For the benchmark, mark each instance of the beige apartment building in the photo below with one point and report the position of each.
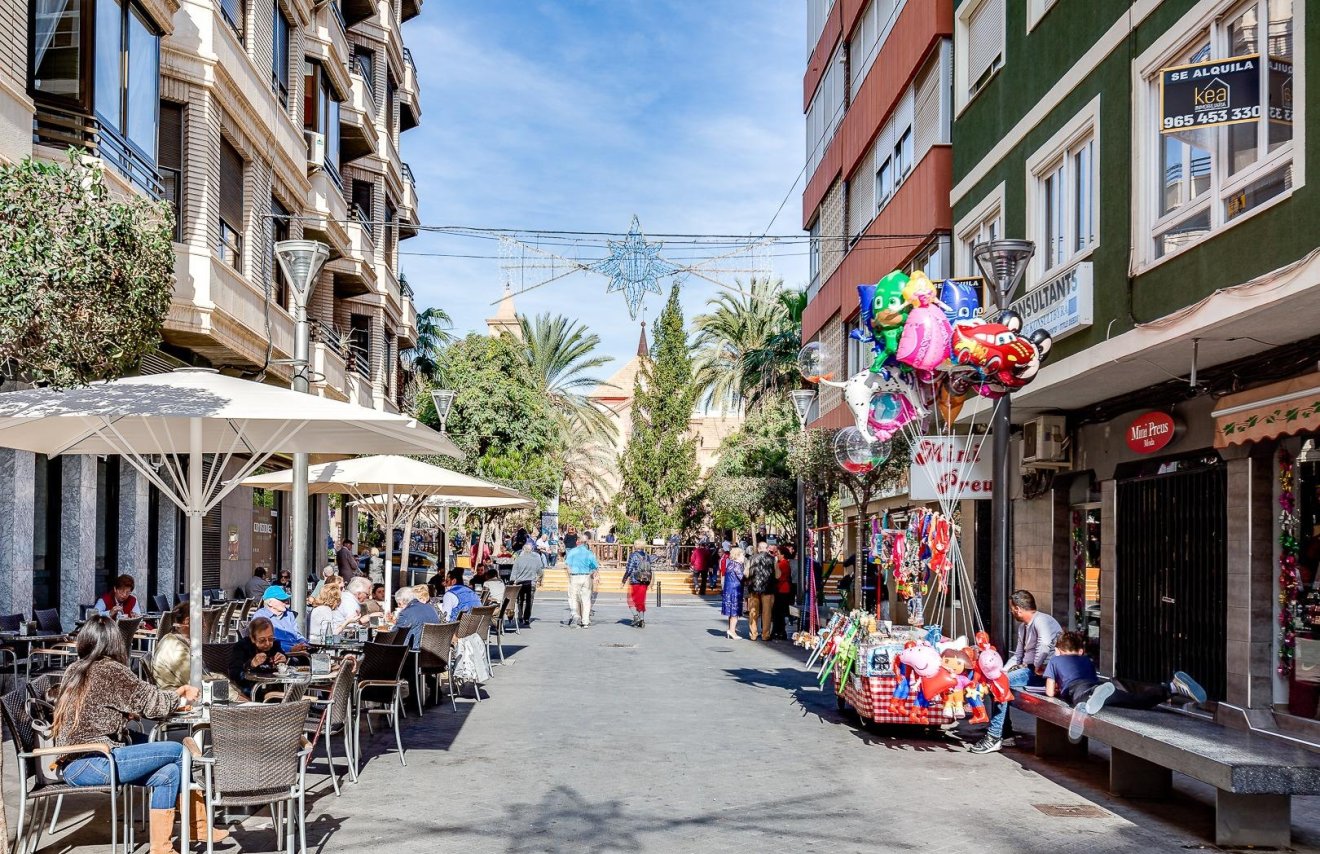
(258, 121)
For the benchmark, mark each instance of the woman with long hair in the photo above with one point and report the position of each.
(731, 603)
(326, 620)
(98, 697)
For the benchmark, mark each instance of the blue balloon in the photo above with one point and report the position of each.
(866, 296)
(963, 302)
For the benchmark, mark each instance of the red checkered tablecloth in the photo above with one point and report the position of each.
(870, 696)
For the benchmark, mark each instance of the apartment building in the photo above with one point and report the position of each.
(258, 121)
(1155, 155)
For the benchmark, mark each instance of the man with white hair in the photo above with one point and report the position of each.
(415, 611)
(350, 604)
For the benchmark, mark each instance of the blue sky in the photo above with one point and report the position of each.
(575, 115)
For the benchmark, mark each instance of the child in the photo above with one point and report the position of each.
(1071, 676)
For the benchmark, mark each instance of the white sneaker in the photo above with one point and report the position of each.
(1096, 701)
(1077, 725)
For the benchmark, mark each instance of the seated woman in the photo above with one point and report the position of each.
(119, 603)
(172, 657)
(326, 619)
(98, 697)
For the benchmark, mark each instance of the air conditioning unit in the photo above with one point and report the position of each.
(1045, 440)
(315, 148)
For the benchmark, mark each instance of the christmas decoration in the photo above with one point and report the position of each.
(1289, 613)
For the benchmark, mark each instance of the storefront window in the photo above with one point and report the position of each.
(1086, 576)
(46, 533)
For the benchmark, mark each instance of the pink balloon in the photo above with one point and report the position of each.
(926, 339)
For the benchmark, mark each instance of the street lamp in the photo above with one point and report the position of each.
(803, 400)
(1003, 263)
(301, 261)
(443, 398)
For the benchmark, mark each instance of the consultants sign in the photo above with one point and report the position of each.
(1210, 94)
(1061, 305)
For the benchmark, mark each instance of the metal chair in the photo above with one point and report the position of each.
(379, 683)
(258, 756)
(433, 652)
(222, 622)
(84, 610)
(39, 785)
(330, 718)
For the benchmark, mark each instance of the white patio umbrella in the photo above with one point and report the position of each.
(401, 484)
(156, 422)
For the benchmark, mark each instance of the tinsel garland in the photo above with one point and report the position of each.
(1289, 581)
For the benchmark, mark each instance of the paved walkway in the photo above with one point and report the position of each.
(673, 738)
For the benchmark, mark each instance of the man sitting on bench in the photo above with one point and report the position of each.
(1070, 675)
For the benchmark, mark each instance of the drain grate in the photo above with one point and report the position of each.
(619, 645)
(1071, 810)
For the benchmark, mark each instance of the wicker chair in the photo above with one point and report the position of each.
(508, 610)
(387, 637)
(35, 787)
(330, 718)
(475, 622)
(11, 622)
(379, 683)
(258, 756)
(433, 652)
(48, 620)
(216, 658)
(210, 621)
(162, 602)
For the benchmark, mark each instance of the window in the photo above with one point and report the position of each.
(390, 231)
(868, 36)
(362, 191)
(813, 258)
(884, 182)
(856, 357)
(1062, 201)
(933, 259)
(391, 98)
(127, 74)
(364, 63)
(170, 155)
(1036, 10)
(359, 342)
(826, 109)
(280, 56)
(230, 245)
(817, 14)
(321, 112)
(981, 224)
(279, 230)
(934, 108)
(56, 51)
(979, 33)
(234, 13)
(903, 154)
(1205, 178)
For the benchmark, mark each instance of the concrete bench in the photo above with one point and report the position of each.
(1254, 776)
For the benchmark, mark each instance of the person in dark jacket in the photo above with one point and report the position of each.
(760, 593)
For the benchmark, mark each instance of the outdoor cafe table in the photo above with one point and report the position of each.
(293, 675)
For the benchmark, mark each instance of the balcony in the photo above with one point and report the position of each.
(408, 219)
(409, 9)
(60, 129)
(410, 100)
(327, 211)
(327, 42)
(356, 11)
(357, 121)
(355, 273)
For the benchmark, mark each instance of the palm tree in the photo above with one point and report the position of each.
(561, 353)
(741, 340)
(433, 333)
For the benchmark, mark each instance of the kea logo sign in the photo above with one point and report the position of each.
(1151, 432)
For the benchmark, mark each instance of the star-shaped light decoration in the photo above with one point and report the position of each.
(634, 267)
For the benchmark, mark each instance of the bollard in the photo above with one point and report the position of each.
(657, 593)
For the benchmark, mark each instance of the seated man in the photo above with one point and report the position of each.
(257, 584)
(259, 651)
(459, 598)
(119, 602)
(414, 612)
(1070, 675)
(355, 596)
(281, 617)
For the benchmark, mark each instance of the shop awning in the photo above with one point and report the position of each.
(1279, 409)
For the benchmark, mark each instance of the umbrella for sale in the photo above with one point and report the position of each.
(401, 486)
(164, 425)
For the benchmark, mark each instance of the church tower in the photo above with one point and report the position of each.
(505, 318)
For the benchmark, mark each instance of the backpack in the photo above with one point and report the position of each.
(639, 568)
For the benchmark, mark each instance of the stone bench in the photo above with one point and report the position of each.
(1254, 776)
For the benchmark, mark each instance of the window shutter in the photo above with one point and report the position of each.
(861, 194)
(171, 135)
(985, 39)
(231, 186)
(927, 126)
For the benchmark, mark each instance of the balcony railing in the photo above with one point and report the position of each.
(332, 338)
(360, 362)
(60, 128)
(404, 287)
(408, 58)
(408, 175)
(363, 218)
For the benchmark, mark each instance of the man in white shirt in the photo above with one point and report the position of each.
(350, 604)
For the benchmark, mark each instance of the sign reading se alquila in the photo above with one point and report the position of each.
(1210, 94)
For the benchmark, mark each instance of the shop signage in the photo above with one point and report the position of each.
(1151, 432)
(1208, 94)
(950, 467)
(1060, 306)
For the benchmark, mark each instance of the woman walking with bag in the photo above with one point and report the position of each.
(98, 697)
(637, 575)
(731, 603)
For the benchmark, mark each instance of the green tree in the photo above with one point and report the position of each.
(748, 341)
(752, 479)
(85, 279)
(659, 465)
(561, 354)
(499, 418)
(433, 334)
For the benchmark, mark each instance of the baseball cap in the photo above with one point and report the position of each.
(275, 591)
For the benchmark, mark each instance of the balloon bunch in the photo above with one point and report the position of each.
(949, 676)
(917, 554)
(930, 347)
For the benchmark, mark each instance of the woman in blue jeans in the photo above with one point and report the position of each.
(98, 697)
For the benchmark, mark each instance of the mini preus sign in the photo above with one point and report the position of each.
(945, 467)
(1151, 432)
